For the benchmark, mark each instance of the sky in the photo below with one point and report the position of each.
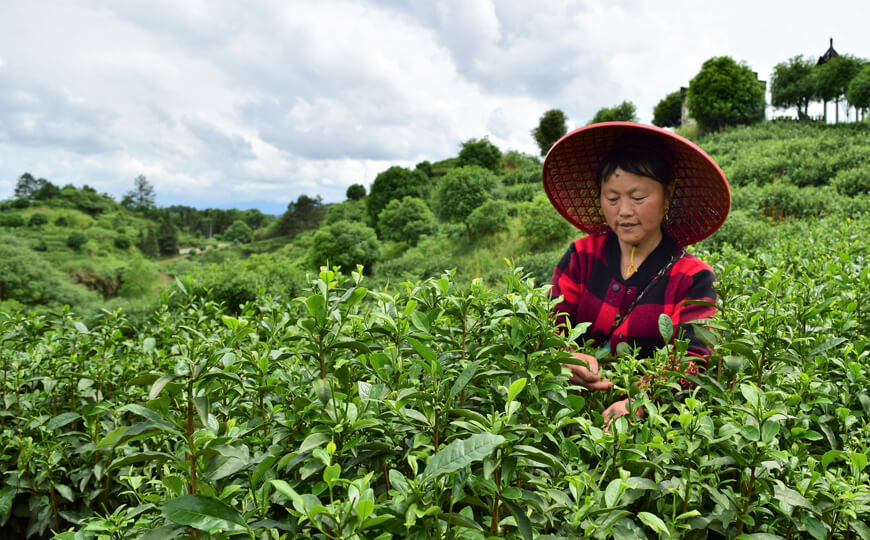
(228, 104)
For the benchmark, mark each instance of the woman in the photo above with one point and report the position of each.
(642, 194)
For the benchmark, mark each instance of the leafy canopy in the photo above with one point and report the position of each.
(345, 244)
(395, 183)
(624, 112)
(858, 92)
(725, 93)
(405, 220)
(552, 127)
(462, 190)
(480, 152)
(792, 85)
(669, 111)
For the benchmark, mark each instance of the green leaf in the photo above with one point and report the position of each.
(830, 456)
(515, 388)
(323, 390)
(160, 383)
(148, 345)
(65, 492)
(204, 513)
(313, 441)
(666, 327)
(62, 420)
(612, 493)
(750, 393)
(141, 457)
(331, 474)
(742, 349)
(790, 496)
(80, 327)
(463, 379)
(830, 344)
(461, 453)
(655, 523)
(523, 524)
(862, 530)
(424, 351)
(364, 508)
(769, 430)
(7, 495)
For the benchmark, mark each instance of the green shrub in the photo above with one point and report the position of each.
(37, 220)
(852, 182)
(239, 232)
(61, 221)
(76, 240)
(523, 192)
(541, 225)
(345, 244)
(21, 203)
(489, 218)
(12, 220)
(406, 220)
(122, 242)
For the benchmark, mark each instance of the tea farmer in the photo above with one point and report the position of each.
(642, 194)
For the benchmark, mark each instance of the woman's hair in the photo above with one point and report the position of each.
(643, 156)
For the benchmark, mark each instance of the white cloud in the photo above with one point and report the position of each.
(221, 103)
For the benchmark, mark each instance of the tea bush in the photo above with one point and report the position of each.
(439, 409)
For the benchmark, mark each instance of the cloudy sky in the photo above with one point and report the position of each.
(251, 104)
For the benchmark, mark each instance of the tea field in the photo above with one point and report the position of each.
(439, 409)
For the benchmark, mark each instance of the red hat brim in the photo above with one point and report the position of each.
(700, 200)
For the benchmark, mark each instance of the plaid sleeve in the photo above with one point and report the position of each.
(571, 275)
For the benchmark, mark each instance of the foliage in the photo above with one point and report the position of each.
(515, 162)
(624, 112)
(167, 236)
(76, 240)
(833, 77)
(37, 219)
(669, 111)
(426, 168)
(148, 242)
(405, 220)
(480, 153)
(355, 192)
(462, 190)
(792, 153)
(346, 211)
(395, 183)
(27, 278)
(137, 278)
(440, 409)
(489, 218)
(11, 220)
(122, 242)
(27, 186)
(21, 203)
(345, 244)
(141, 197)
(239, 232)
(304, 214)
(792, 85)
(858, 91)
(541, 225)
(725, 93)
(852, 182)
(552, 126)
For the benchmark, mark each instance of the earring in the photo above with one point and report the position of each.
(667, 217)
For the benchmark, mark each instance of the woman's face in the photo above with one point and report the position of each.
(634, 207)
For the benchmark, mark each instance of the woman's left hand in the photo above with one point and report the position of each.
(620, 408)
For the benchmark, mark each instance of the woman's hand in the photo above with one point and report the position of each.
(587, 377)
(617, 409)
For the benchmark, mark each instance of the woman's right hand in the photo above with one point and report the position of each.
(587, 375)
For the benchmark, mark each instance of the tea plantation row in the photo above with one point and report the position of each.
(440, 410)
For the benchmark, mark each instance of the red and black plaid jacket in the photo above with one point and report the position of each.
(589, 278)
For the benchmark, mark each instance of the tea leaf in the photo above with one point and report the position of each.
(461, 453)
(204, 513)
(666, 327)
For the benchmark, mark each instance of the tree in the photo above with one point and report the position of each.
(669, 111)
(480, 152)
(405, 220)
(355, 192)
(542, 226)
(141, 197)
(624, 112)
(304, 214)
(725, 93)
(239, 232)
(345, 244)
(552, 126)
(462, 190)
(395, 183)
(792, 85)
(27, 186)
(46, 191)
(858, 92)
(167, 236)
(148, 242)
(425, 167)
(833, 78)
